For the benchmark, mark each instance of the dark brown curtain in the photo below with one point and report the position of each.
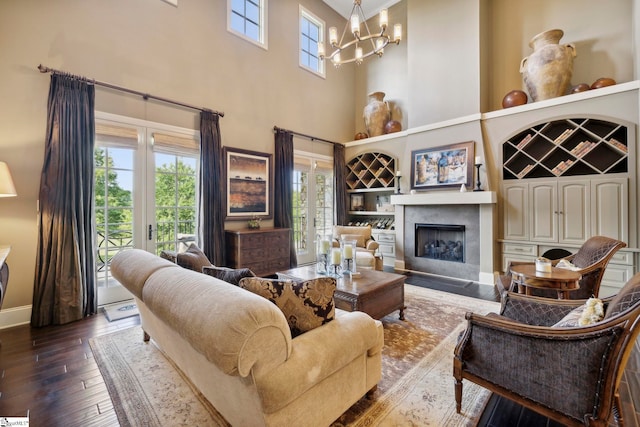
(212, 189)
(65, 281)
(339, 174)
(283, 187)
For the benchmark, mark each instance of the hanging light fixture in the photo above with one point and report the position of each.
(364, 44)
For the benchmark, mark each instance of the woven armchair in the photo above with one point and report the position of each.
(592, 258)
(569, 374)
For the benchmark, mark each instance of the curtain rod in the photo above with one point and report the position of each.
(144, 96)
(312, 138)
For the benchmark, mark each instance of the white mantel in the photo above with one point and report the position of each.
(486, 201)
(446, 198)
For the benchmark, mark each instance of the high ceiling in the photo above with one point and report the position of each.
(370, 7)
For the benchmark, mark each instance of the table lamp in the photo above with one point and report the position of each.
(7, 189)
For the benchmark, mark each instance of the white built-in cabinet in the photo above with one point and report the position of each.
(566, 212)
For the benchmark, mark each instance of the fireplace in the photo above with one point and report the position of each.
(443, 242)
(472, 215)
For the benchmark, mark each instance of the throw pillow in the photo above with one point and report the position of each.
(170, 255)
(587, 314)
(227, 274)
(306, 305)
(193, 258)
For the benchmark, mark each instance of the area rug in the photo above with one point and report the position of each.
(417, 386)
(120, 310)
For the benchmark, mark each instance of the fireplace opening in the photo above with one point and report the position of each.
(440, 241)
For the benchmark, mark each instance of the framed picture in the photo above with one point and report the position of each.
(445, 166)
(249, 181)
(357, 202)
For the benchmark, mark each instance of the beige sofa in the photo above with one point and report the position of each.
(236, 346)
(366, 247)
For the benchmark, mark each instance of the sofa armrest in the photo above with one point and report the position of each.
(371, 245)
(319, 353)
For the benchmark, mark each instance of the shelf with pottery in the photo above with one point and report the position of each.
(569, 147)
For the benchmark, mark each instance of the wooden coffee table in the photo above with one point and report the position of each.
(376, 293)
(562, 280)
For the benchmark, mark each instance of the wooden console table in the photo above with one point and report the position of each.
(562, 280)
(263, 251)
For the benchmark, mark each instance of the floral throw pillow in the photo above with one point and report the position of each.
(306, 305)
(587, 314)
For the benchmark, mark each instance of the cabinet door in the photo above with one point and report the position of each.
(574, 215)
(543, 199)
(515, 211)
(610, 211)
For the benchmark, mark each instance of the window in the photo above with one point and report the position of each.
(248, 19)
(145, 192)
(311, 32)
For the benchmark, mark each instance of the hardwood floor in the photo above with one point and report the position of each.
(50, 374)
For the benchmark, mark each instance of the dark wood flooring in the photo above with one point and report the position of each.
(50, 375)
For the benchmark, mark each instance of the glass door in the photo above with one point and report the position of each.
(312, 202)
(145, 192)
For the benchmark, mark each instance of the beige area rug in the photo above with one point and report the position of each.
(416, 387)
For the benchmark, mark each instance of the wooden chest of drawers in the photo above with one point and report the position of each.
(264, 251)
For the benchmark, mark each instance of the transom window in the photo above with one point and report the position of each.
(247, 19)
(311, 32)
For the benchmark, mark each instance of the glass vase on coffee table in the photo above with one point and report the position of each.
(323, 248)
(348, 248)
(336, 263)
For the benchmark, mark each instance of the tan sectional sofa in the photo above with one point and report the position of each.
(236, 346)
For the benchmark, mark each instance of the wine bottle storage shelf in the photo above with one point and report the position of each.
(570, 147)
(371, 171)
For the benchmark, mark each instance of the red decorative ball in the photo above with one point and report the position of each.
(514, 98)
(582, 87)
(392, 126)
(361, 135)
(603, 82)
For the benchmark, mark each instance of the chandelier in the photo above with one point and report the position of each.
(363, 44)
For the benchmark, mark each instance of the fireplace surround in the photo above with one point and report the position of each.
(475, 211)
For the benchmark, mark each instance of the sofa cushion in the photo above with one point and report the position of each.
(170, 256)
(229, 275)
(306, 304)
(193, 259)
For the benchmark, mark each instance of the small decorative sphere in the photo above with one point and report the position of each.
(603, 82)
(361, 135)
(582, 87)
(514, 98)
(392, 126)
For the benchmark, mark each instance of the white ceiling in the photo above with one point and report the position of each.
(369, 7)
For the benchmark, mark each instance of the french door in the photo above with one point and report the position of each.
(145, 192)
(312, 202)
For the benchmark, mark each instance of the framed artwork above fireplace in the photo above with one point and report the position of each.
(443, 166)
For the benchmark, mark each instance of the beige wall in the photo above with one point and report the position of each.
(183, 53)
(463, 56)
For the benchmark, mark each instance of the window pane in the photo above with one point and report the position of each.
(313, 32)
(237, 23)
(238, 6)
(314, 64)
(252, 31)
(253, 12)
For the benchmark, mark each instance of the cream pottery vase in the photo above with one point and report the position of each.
(547, 71)
(376, 114)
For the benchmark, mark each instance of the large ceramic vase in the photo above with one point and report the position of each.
(547, 71)
(376, 114)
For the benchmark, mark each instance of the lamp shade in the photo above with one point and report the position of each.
(7, 189)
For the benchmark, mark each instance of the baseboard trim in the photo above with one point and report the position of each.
(15, 316)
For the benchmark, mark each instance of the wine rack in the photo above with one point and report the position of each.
(568, 147)
(371, 171)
